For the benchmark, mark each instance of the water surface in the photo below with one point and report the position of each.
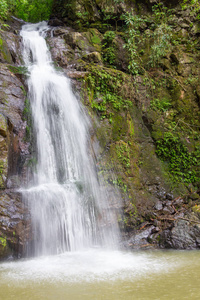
(102, 274)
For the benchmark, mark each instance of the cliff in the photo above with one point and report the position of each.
(14, 216)
(135, 66)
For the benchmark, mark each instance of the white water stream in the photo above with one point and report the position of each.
(69, 208)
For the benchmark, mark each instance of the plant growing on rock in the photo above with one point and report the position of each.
(194, 7)
(109, 47)
(183, 165)
(162, 34)
(133, 22)
(162, 44)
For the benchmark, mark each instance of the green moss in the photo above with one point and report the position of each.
(3, 171)
(5, 51)
(123, 153)
(3, 242)
(106, 94)
(22, 70)
(183, 165)
(119, 127)
(3, 125)
(27, 116)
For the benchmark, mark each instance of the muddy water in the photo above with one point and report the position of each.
(98, 274)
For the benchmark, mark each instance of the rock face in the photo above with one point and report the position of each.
(185, 234)
(14, 220)
(99, 14)
(14, 225)
(146, 120)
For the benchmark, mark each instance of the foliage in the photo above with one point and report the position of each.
(161, 13)
(28, 10)
(162, 34)
(162, 43)
(105, 91)
(28, 118)
(160, 37)
(109, 47)
(3, 242)
(118, 182)
(133, 22)
(123, 153)
(183, 165)
(4, 12)
(194, 7)
(33, 10)
(160, 104)
(3, 9)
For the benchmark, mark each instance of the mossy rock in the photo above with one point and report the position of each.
(94, 37)
(3, 161)
(4, 248)
(4, 51)
(3, 126)
(196, 210)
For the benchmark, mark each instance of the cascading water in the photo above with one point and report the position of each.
(68, 209)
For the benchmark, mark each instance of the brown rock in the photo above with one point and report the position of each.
(14, 225)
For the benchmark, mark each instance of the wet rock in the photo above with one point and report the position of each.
(93, 57)
(14, 225)
(178, 201)
(11, 97)
(76, 39)
(161, 193)
(3, 161)
(168, 210)
(59, 31)
(75, 74)
(159, 205)
(169, 196)
(196, 209)
(140, 239)
(3, 126)
(55, 22)
(184, 235)
(194, 196)
(61, 52)
(196, 29)
(10, 48)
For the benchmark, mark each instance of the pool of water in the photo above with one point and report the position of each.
(101, 274)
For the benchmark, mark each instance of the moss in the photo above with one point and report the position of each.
(196, 209)
(22, 70)
(3, 170)
(95, 37)
(3, 247)
(119, 127)
(3, 242)
(5, 51)
(3, 126)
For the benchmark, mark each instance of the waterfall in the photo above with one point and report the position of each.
(68, 205)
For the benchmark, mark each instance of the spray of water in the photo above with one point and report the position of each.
(68, 207)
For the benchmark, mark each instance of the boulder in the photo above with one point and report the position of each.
(185, 234)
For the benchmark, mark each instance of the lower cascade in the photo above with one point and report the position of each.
(68, 205)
